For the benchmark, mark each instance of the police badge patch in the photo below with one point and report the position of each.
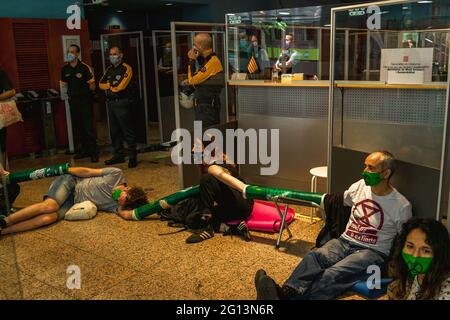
(118, 77)
(79, 75)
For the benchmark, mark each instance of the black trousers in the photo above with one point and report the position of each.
(207, 111)
(3, 136)
(121, 126)
(82, 117)
(13, 191)
(223, 202)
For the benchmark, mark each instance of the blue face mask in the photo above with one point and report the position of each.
(114, 59)
(70, 57)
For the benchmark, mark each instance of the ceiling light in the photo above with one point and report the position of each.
(169, 4)
(405, 8)
(327, 25)
(423, 2)
(283, 13)
(429, 40)
(119, 11)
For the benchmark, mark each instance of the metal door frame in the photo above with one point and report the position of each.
(141, 61)
(155, 61)
(173, 31)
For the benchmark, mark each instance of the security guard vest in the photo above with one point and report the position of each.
(208, 79)
(117, 82)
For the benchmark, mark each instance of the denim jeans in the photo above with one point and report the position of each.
(62, 191)
(329, 271)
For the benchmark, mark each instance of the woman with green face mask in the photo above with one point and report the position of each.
(420, 263)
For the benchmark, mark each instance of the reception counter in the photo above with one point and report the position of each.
(407, 119)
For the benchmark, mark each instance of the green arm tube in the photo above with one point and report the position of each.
(173, 199)
(267, 194)
(35, 174)
(251, 192)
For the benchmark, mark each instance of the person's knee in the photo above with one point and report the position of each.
(46, 219)
(49, 206)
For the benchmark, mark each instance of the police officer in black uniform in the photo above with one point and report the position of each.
(118, 84)
(79, 79)
(206, 76)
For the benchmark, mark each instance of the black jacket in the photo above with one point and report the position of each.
(337, 216)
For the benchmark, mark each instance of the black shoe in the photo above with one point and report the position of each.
(240, 230)
(94, 158)
(132, 163)
(206, 234)
(266, 288)
(115, 160)
(79, 156)
(2, 224)
(2, 221)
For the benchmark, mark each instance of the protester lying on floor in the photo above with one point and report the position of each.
(82, 184)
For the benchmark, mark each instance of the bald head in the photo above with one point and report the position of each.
(381, 161)
(203, 41)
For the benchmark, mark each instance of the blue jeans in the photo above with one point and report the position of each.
(62, 191)
(328, 272)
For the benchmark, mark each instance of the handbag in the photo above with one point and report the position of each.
(9, 114)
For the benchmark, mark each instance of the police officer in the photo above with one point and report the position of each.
(79, 79)
(205, 74)
(119, 88)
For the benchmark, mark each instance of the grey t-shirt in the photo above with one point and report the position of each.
(99, 189)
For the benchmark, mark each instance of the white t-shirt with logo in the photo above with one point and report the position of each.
(375, 220)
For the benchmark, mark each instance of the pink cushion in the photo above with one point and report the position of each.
(265, 217)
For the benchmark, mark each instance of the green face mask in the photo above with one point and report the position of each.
(416, 265)
(371, 178)
(116, 194)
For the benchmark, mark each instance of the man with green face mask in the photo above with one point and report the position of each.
(378, 212)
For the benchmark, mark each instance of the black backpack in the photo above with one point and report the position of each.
(187, 214)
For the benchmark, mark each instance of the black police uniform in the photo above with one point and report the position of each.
(206, 75)
(5, 85)
(119, 88)
(78, 79)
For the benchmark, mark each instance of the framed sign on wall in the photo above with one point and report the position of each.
(69, 40)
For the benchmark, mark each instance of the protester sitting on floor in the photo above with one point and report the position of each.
(377, 215)
(420, 262)
(82, 184)
(221, 197)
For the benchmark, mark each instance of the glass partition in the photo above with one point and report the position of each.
(182, 40)
(388, 91)
(263, 45)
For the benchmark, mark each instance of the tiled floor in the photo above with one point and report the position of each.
(130, 260)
